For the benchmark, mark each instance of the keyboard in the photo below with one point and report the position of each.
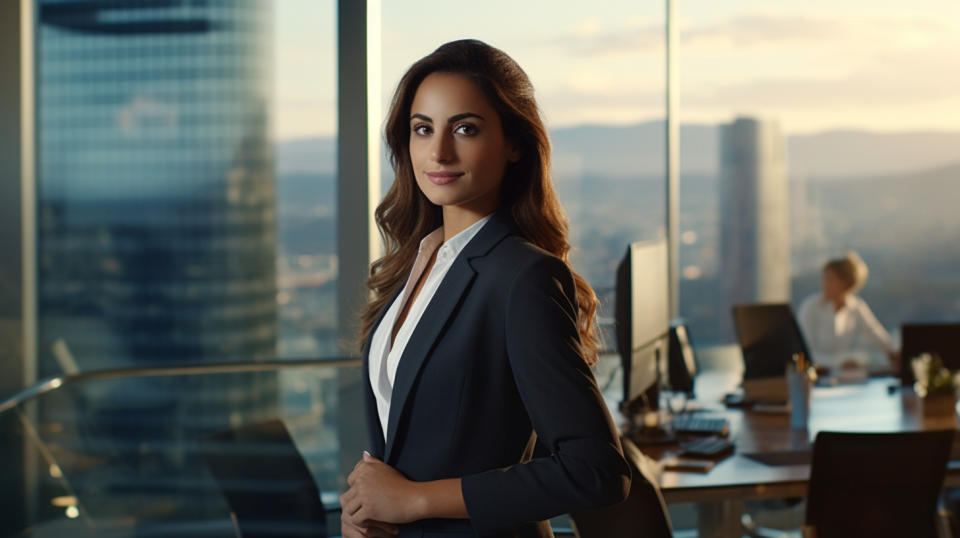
(701, 425)
(707, 447)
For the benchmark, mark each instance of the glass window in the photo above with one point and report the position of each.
(306, 134)
(186, 202)
(599, 76)
(810, 131)
(186, 213)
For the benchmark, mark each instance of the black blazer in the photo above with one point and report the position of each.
(493, 370)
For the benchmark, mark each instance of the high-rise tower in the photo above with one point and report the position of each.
(754, 213)
(156, 227)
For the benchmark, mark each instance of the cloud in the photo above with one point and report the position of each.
(761, 29)
(750, 30)
(891, 79)
(589, 39)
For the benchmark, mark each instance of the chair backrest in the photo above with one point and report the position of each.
(681, 362)
(642, 515)
(877, 484)
(265, 481)
(769, 336)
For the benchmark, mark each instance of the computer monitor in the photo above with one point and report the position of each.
(918, 338)
(769, 337)
(642, 316)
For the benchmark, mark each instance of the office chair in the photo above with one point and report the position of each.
(642, 514)
(877, 484)
(681, 362)
(265, 481)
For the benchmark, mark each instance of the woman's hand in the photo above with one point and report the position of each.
(379, 494)
(372, 529)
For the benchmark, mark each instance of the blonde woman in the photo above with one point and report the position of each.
(837, 323)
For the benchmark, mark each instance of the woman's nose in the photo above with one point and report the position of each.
(443, 150)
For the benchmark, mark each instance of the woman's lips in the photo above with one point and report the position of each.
(442, 178)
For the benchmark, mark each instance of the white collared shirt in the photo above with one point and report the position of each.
(384, 359)
(833, 335)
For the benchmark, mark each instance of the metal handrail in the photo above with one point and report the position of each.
(53, 383)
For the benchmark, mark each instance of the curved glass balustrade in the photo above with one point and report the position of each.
(119, 453)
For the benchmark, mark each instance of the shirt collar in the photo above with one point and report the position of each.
(850, 303)
(456, 243)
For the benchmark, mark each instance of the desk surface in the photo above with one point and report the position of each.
(865, 407)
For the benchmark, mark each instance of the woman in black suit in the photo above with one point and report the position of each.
(483, 413)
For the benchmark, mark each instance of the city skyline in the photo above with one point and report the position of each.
(863, 66)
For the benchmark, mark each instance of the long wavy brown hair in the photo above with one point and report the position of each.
(406, 215)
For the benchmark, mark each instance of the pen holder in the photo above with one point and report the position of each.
(798, 394)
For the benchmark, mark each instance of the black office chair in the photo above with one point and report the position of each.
(642, 514)
(265, 481)
(681, 361)
(877, 484)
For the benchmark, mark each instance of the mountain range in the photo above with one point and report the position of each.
(630, 151)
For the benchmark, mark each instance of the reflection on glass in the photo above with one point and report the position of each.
(156, 226)
(869, 127)
(128, 467)
(156, 239)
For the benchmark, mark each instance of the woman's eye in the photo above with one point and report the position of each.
(466, 129)
(421, 130)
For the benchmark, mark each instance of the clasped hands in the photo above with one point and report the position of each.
(379, 498)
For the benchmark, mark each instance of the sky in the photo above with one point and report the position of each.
(811, 65)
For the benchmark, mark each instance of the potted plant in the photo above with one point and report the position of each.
(935, 385)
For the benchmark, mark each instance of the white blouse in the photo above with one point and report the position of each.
(384, 359)
(833, 335)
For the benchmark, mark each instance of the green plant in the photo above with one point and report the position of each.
(933, 379)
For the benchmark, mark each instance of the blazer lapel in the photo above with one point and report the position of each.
(373, 416)
(434, 318)
(448, 295)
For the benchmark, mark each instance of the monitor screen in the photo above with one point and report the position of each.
(769, 336)
(642, 317)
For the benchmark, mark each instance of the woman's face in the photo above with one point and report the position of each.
(457, 147)
(834, 287)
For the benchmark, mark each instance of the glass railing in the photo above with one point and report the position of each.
(125, 452)
(122, 452)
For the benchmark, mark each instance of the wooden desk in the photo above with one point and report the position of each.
(866, 407)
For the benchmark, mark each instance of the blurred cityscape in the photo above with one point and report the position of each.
(173, 227)
(846, 191)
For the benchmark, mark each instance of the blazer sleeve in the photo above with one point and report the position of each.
(585, 468)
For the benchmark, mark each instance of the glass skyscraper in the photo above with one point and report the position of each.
(156, 233)
(156, 182)
(754, 214)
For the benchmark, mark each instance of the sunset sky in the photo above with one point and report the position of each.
(813, 65)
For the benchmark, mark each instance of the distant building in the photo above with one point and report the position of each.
(754, 213)
(156, 237)
(156, 205)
